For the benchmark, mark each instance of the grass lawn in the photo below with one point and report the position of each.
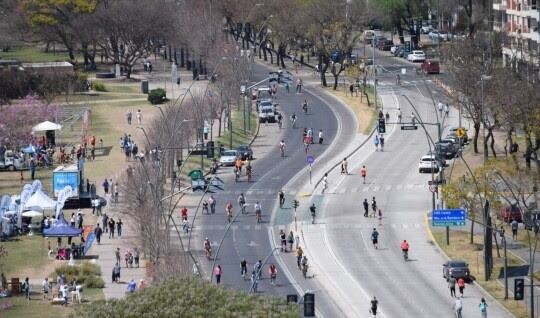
(365, 114)
(24, 253)
(33, 54)
(460, 248)
(37, 307)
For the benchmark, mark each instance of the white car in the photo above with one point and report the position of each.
(228, 158)
(428, 163)
(416, 56)
(394, 48)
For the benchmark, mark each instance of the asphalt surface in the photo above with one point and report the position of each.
(247, 239)
(346, 270)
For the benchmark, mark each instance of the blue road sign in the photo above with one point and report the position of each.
(310, 159)
(449, 217)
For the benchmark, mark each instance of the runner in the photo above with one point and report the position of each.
(363, 173)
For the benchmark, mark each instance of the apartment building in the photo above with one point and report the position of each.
(520, 19)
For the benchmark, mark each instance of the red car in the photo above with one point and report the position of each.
(430, 67)
(511, 212)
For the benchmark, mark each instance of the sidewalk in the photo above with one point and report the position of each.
(104, 253)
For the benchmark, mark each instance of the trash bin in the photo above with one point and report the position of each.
(144, 87)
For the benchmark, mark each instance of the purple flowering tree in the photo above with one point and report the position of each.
(17, 120)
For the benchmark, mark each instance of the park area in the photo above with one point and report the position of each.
(44, 236)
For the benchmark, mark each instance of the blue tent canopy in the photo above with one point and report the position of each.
(61, 229)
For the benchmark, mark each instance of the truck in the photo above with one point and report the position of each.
(11, 161)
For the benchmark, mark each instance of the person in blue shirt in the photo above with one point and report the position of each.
(132, 286)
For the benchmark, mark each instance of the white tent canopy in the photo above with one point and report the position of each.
(41, 201)
(46, 125)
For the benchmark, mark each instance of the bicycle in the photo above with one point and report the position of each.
(236, 175)
(249, 174)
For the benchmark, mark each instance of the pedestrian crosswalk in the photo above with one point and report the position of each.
(308, 227)
(339, 190)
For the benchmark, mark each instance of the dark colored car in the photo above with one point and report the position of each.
(385, 45)
(400, 52)
(245, 152)
(377, 39)
(511, 212)
(447, 149)
(456, 269)
(430, 67)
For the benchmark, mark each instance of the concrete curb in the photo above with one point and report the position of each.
(485, 292)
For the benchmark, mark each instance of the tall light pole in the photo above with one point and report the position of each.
(486, 218)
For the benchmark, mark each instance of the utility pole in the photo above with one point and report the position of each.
(374, 75)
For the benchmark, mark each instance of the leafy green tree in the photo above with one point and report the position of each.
(61, 18)
(189, 298)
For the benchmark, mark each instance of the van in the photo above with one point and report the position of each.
(368, 35)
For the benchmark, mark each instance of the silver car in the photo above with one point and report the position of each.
(228, 158)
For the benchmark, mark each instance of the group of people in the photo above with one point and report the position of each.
(129, 147)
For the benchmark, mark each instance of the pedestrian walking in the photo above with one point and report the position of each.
(375, 238)
(321, 138)
(272, 272)
(212, 202)
(344, 165)
(461, 285)
(440, 107)
(258, 269)
(366, 208)
(128, 117)
(374, 305)
(376, 142)
(373, 206)
(106, 186)
(458, 307)
(105, 222)
(290, 240)
(380, 217)
(254, 282)
(514, 225)
(452, 286)
(111, 228)
(26, 288)
(483, 308)
(119, 227)
(283, 240)
(97, 232)
(136, 256)
(117, 255)
(363, 173)
(446, 110)
(243, 268)
(184, 213)
(381, 142)
(299, 254)
(297, 240)
(217, 272)
(32, 168)
(139, 116)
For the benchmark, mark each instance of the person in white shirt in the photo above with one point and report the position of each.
(45, 288)
(458, 307)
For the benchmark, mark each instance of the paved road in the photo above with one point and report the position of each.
(346, 270)
(247, 239)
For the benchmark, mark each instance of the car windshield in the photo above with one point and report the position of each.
(458, 264)
(242, 148)
(229, 153)
(428, 159)
(267, 110)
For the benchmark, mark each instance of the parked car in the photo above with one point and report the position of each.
(426, 29)
(435, 34)
(416, 56)
(456, 269)
(369, 35)
(430, 67)
(428, 163)
(394, 48)
(511, 212)
(245, 152)
(400, 52)
(385, 45)
(11, 161)
(446, 149)
(441, 160)
(228, 157)
(377, 39)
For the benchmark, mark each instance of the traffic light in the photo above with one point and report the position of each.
(296, 204)
(382, 126)
(309, 305)
(519, 288)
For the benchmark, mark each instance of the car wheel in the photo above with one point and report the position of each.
(11, 168)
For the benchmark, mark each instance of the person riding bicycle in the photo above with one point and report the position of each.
(258, 210)
(325, 180)
(279, 118)
(305, 106)
(305, 266)
(249, 171)
(398, 79)
(293, 119)
(241, 201)
(228, 209)
(282, 146)
(313, 209)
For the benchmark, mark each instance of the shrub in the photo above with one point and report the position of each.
(98, 86)
(157, 96)
(86, 274)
